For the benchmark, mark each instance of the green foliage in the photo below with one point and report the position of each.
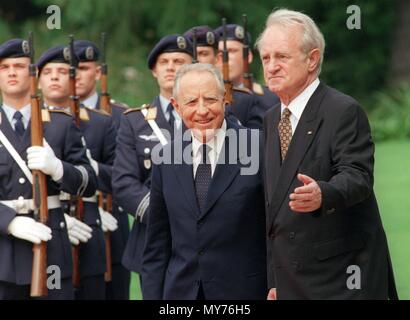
(356, 61)
(389, 113)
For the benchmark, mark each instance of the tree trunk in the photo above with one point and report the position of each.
(400, 58)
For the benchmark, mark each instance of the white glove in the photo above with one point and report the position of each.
(28, 229)
(77, 230)
(108, 222)
(94, 164)
(44, 159)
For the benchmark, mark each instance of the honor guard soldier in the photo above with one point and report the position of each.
(89, 72)
(64, 162)
(139, 133)
(235, 41)
(99, 133)
(243, 104)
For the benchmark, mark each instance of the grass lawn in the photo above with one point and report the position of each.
(392, 186)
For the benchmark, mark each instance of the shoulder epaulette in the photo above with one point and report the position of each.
(45, 115)
(120, 104)
(84, 114)
(103, 112)
(59, 111)
(150, 114)
(245, 90)
(131, 110)
(257, 88)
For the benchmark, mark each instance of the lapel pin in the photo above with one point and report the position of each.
(310, 132)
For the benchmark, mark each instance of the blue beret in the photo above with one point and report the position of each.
(14, 48)
(205, 36)
(171, 43)
(56, 54)
(233, 32)
(86, 50)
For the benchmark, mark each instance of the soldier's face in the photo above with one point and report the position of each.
(14, 76)
(206, 54)
(167, 66)
(286, 68)
(54, 82)
(235, 52)
(88, 74)
(200, 103)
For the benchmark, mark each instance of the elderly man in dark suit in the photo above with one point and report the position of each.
(205, 233)
(325, 236)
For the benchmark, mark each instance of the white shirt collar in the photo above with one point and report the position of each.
(297, 105)
(25, 111)
(91, 102)
(215, 144)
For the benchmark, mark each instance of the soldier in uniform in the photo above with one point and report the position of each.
(64, 162)
(88, 75)
(136, 138)
(99, 134)
(244, 104)
(235, 37)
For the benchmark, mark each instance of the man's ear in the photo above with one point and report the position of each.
(250, 56)
(175, 105)
(154, 73)
(314, 59)
(98, 73)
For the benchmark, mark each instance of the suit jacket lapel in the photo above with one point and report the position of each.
(305, 133)
(185, 175)
(224, 174)
(272, 153)
(19, 144)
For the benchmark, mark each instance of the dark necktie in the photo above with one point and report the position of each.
(18, 125)
(285, 132)
(203, 177)
(171, 120)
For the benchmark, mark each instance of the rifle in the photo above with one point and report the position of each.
(79, 205)
(105, 201)
(247, 76)
(194, 44)
(39, 269)
(225, 67)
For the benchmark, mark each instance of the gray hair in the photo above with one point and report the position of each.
(198, 67)
(312, 37)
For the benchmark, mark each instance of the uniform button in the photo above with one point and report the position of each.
(20, 198)
(267, 204)
(200, 222)
(201, 252)
(147, 150)
(295, 264)
(271, 235)
(120, 209)
(22, 180)
(62, 225)
(292, 235)
(98, 221)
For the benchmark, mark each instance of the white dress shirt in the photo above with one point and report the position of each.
(91, 101)
(10, 111)
(297, 105)
(215, 144)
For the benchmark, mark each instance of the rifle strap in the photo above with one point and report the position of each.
(14, 154)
